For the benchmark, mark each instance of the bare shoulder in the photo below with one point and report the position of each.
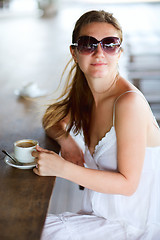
(132, 106)
(132, 99)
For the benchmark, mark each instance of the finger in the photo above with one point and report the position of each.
(83, 157)
(34, 153)
(40, 149)
(35, 170)
(81, 164)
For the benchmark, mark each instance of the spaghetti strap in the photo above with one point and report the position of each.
(133, 91)
(117, 100)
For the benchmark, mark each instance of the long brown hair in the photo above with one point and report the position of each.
(76, 99)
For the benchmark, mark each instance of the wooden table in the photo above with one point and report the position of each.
(24, 196)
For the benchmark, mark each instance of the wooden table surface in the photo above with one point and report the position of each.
(24, 196)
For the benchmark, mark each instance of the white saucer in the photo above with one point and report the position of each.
(9, 161)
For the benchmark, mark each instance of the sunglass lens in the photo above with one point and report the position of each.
(86, 44)
(109, 40)
(111, 45)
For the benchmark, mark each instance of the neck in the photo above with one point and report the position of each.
(107, 89)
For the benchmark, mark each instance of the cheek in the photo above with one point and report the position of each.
(83, 63)
(113, 60)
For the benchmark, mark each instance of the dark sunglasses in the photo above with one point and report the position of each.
(87, 45)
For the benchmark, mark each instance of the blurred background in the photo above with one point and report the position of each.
(34, 47)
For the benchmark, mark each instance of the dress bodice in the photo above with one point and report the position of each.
(105, 145)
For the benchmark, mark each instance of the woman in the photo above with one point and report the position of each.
(122, 139)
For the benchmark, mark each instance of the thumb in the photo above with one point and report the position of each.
(40, 149)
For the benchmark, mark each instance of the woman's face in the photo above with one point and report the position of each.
(98, 64)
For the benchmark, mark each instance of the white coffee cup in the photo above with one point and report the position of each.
(23, 150)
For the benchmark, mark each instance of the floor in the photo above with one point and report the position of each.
(34, 48)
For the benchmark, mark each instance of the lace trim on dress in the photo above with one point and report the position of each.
(107, 138)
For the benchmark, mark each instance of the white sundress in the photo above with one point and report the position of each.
(113, 216)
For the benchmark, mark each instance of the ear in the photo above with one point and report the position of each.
(73, 53)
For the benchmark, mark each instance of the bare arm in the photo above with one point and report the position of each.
(57, 130)
(131, 130)
(70, 150)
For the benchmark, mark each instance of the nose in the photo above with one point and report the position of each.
(99, 50)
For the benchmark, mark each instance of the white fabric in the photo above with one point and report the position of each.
(111, 216)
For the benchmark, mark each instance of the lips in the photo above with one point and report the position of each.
(99, 64)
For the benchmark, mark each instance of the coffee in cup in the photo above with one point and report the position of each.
(23, 150)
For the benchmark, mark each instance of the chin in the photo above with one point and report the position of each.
(99, 74)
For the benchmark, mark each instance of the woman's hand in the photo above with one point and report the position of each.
(71, 151)
(48, 163)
